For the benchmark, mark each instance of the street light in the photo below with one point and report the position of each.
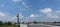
(18, 23)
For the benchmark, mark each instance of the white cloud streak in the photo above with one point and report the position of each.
(23, 3)
(16, 0)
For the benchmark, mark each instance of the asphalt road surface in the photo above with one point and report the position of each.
(37, 25)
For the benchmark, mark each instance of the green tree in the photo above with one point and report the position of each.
(35, 22)
(1, 23)
(8, 23)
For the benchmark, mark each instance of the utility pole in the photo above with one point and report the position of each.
(18, 23)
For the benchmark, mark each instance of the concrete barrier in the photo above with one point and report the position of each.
(23, 25)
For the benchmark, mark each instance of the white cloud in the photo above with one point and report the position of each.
(57, 11)
(50, 13)
(4, 16)
(33, 15)
(52, 16)
(24, 4)
(16, 0)
(46, 10)
(20, 15)
(1, 14)
(14, 18)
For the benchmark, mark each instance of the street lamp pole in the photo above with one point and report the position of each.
(18, 23)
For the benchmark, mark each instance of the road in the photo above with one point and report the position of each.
(37, 25)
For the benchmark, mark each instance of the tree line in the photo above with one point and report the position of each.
(10, 23)
(5, 23)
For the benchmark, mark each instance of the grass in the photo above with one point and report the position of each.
(8, 26)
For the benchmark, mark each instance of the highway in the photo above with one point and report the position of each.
(42, 25)
(37, 25)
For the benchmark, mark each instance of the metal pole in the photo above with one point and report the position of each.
(18, 23)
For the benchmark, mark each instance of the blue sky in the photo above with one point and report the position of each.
(30, 10)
